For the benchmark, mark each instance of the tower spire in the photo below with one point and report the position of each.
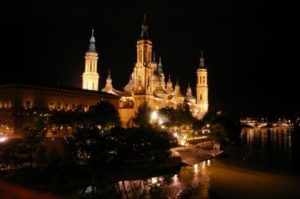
(90, 76)
(189, 91)
(159, 69)
(108, 75)
(92, 46)
(144, 32)
(202, 65)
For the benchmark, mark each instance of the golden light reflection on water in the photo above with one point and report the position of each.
(217, 179)
(234, 183)
(229, 178)
(190, 182)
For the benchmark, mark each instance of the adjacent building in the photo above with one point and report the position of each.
(20, 103)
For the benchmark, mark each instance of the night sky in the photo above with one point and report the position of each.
(251, 47)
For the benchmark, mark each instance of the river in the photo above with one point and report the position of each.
(264, 166)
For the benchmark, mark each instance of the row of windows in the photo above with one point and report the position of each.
(5, 104)
(66, 107)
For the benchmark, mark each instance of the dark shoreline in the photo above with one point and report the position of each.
(66, 180)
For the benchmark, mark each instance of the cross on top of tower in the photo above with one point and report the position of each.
(144, 32)
(202, 65)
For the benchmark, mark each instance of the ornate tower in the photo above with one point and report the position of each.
(177, 89)
(169, 85)
(161, 74)
(108, 86)
(90, 76)
(202, 88)
(143, 70)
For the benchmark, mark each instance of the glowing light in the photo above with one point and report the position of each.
(154, 115)
(3, 139)
(154, 180)
(196, 169)
(175, 134)
(160, 121)
(208, 162)
(182, 142)
(203, 165)
(175, 179)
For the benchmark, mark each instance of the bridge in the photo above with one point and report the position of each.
(259, 124)
(253, 123)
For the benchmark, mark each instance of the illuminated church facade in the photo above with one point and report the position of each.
(147, 83)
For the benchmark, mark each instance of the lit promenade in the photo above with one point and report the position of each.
(194, 154)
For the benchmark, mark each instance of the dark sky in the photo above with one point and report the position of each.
(251, 47)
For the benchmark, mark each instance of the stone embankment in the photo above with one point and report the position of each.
(195, 153)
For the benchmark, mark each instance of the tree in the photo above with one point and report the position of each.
(142, 118)
(180, 116)
(34, 135)
(103, 114)
(225, 129)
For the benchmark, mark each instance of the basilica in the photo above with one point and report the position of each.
(147, 83)
(21, 103)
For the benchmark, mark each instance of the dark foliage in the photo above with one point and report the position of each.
(142, 117)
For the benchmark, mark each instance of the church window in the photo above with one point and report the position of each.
(200, 79)
(203, 79)
(200, 96)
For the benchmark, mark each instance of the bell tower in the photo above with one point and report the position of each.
(90, 76)
(202, 88)
(143, 70)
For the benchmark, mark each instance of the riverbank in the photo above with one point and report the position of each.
(76, 177)
(195, 154)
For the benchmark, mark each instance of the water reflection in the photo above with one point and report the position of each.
(190, 182)
(222, 178)
(269, 148)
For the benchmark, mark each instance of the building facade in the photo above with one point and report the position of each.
(20, 103)
(147, 84)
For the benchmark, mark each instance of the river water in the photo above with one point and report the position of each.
(264, 166)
